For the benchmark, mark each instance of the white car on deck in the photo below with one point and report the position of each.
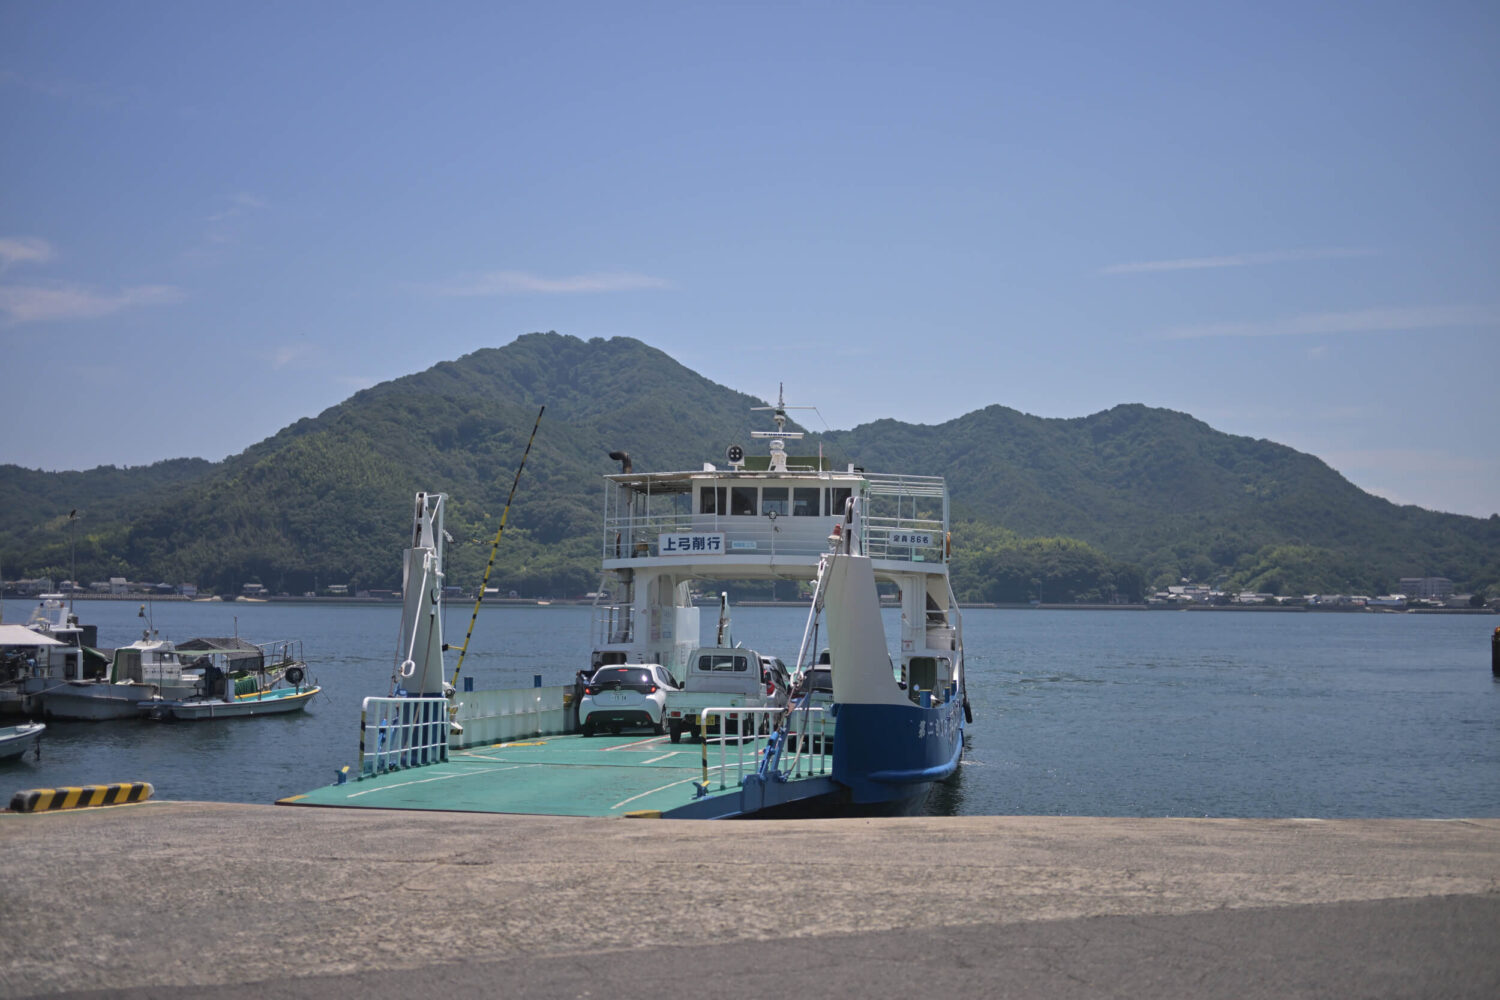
(625, 694)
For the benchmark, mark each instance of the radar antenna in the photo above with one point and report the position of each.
(780, 435)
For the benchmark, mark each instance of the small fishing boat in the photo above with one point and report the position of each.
(273, 701)
(16, 740)
(148, 668)
(237, 679)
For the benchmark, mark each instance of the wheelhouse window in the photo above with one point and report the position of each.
(837, 497)
(742, 500)
(711, 500)
(805, 501)
(773, 500)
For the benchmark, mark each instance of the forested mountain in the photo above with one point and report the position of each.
(1062, 509)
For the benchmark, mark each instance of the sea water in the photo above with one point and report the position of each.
(1099, 713)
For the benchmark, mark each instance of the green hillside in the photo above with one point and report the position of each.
(1165, 492)
(1091, 508)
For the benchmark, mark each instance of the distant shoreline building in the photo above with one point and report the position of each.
(1431, 588)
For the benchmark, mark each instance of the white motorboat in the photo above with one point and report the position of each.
(50, 650)
(16, 740)
(148, 668)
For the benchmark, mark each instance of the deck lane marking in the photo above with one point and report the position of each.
(664, 756)
(663, 788)
(441, 777)
(632, 746)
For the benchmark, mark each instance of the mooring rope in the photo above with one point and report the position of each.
(479, 598)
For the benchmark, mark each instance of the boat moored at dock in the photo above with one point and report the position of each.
(16, 740)
(148, 668)
(845, 533)
(893, 726)
(50, 650)
(238, 679)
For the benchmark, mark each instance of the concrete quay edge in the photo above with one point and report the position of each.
(228, 900)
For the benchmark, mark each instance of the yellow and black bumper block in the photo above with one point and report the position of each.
(80, 797)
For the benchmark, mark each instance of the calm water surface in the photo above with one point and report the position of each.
(1075, 713)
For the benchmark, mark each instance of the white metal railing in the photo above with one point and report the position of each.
(910, 539)
(402, 732)
(885, 484)
(282, 652)
(809, 741)
(895, 507)
(805, 754)
(613, 624)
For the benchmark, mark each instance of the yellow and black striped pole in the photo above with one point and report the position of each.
(479, 598)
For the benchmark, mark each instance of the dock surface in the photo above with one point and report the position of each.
(182, 899)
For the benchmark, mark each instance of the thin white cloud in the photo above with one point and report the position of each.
(524, 283)
(49, 303)
(23, 250)
(1238, 260)
(288, 355)
(239, 204)
(1358, 321)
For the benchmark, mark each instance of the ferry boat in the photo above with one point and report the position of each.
(895, 722)
(848, 532)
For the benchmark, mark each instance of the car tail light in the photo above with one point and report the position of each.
(651, 689)
(770, 687)
(591, 689)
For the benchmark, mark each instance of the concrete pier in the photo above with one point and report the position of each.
(180, 899)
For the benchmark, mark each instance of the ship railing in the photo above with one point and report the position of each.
(713, 535)
(899, 538)
(885, 484)
(396, 733)
(806, 742)
(281, 652)
(613, 624)
(906, 539)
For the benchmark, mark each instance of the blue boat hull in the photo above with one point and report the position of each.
(886, 753)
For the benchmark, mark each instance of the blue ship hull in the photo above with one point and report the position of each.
(885, 753)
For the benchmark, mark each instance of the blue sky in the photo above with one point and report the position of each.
(1282, 218)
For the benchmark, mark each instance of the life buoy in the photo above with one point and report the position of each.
(948, 546)
(294, 675)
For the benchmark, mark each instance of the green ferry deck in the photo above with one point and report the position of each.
(575, 775)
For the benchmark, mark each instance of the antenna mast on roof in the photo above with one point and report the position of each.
(779, 436)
